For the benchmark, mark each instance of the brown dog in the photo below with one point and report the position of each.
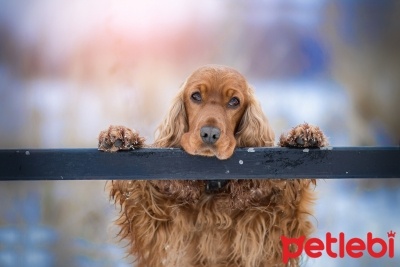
(235, 223)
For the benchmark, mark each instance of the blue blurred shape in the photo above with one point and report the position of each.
(27, 246)
(87, 261)
(9, 236)
(40, 236)
(31, 257)
(31, 207)
(9, 258)
(37, 258)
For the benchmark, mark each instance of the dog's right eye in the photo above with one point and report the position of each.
(196, 97)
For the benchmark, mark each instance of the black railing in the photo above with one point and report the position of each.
(246, 163)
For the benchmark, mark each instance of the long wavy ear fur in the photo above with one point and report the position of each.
(254, 129)
(175, 124)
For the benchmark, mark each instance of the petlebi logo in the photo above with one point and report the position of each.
(355, 247)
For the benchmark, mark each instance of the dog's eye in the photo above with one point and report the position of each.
(196, 97)
(234, 102)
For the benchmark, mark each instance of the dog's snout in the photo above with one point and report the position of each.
(210, 134)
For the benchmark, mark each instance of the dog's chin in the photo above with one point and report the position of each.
(196, 147)
(208, 151)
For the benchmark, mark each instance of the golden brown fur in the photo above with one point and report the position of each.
(179, 223)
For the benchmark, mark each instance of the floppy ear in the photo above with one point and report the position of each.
(174, 125)
(254, 129)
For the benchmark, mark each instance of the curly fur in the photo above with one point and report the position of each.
(170, 226)
(176, 223)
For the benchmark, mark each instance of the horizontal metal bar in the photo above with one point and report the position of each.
(246, 163)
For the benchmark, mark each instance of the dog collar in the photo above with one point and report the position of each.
(215, 186)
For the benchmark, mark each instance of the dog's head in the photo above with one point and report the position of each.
(214, 112)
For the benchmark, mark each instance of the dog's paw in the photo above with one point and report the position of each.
(304, 135)
(119, 138)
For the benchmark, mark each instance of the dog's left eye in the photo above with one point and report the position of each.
(234, 102)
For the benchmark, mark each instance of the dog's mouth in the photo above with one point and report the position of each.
(223, 148)
(215, 186)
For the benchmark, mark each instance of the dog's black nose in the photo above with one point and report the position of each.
(215, 186)
(210, 134)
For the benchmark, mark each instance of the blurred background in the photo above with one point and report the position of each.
(68, 69)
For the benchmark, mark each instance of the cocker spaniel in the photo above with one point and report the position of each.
(191, 223)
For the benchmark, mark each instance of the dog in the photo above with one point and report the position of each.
(193, 223)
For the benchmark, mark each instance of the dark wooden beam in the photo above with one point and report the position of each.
(246, 163)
